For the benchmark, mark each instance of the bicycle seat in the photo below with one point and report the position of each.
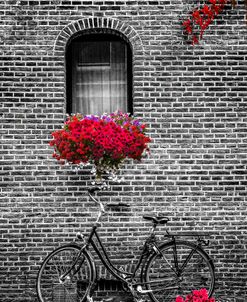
(157, 220)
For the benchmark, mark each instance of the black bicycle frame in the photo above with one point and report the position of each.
(127, 277)
(119, 274)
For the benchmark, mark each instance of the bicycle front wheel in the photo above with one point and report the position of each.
(79, 276)
(179, 269)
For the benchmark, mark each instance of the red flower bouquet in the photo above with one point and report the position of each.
(196, 296)
(104, 141)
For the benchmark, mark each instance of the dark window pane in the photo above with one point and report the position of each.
(99, 79)
(93, 53)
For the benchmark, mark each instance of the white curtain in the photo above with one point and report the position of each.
(99, 77)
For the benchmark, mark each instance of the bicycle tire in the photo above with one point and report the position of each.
(162, 281)
(77, 284)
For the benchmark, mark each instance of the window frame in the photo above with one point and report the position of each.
(98, 36)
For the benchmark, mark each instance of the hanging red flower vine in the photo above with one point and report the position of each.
(200, 19)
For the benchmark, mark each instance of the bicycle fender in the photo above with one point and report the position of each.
(94, 270)
(196, 247)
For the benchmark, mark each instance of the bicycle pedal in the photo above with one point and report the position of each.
(143, 291)
(89, 299)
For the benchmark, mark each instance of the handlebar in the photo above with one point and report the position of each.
(94, 189)
(102, 187)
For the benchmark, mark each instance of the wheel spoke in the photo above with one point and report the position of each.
(74, 287)
(173, 274)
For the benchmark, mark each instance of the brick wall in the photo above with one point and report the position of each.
(193, 100)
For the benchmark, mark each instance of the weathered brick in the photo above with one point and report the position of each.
(193, 100)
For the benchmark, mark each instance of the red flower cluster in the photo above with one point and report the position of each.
(103, 141)
(196, 296)
(200, 19)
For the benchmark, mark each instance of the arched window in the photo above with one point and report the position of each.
(99, 74)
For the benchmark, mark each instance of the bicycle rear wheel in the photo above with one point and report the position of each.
(78, 282)
(179, 269)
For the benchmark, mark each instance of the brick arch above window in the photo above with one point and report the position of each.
(99, 25)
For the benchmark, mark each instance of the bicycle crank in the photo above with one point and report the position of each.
(140, 290)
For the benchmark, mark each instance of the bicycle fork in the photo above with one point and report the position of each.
(79, 261)
(65, 275)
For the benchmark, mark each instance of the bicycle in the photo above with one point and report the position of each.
(172, 268)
